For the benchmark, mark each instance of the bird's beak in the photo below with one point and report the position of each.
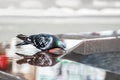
(64, 49)
(63, 46)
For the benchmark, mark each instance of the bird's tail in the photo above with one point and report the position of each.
(22, 37)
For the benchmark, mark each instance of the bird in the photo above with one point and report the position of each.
(42, 41)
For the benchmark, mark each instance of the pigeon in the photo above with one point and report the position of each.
(38, 59)
(41, 41)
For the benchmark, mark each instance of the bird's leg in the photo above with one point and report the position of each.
(56, 51)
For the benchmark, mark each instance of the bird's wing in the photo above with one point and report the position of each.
(43, 42)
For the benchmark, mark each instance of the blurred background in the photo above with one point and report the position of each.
(55, 17)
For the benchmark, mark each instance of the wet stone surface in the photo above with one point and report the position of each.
(109, 61)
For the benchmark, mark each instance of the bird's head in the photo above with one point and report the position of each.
(24, 38)
(61, 44)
